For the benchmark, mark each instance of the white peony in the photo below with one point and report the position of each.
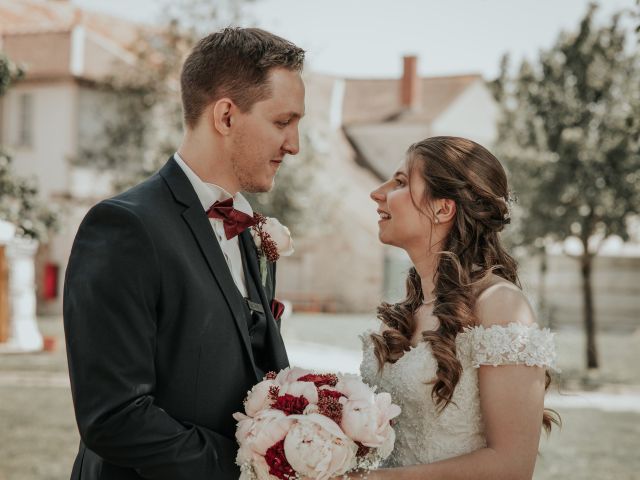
(367, 419)
(256, 435)
(258, 398)
(315, 447)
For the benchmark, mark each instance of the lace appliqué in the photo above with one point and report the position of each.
(512, 344)
(423, 433)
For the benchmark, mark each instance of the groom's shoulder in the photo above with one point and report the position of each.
(150, 195)
(146, 201)
(144, 195)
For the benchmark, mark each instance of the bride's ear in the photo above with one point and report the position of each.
(445, 210)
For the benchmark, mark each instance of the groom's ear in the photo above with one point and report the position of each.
(221, 115)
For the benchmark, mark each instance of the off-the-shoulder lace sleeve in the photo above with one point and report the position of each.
(365, 337)
(512, 344)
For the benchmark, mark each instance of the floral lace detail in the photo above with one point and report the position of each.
(512, 344)
(424, 435)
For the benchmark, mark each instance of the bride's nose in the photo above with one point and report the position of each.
(378, 194)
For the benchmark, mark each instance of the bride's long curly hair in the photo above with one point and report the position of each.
(467, 173)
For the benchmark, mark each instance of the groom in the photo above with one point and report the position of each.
(167, 322)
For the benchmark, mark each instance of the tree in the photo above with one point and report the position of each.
(19, 202)
(142, 125)
(146, 126)
(9, 73)
(570, 136)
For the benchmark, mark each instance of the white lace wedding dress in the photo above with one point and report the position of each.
(422, 434)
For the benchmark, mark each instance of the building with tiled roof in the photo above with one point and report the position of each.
(367, 125)
(54, 39)
(373, 123)
(57, 108)
(381, 118)
(360, 127)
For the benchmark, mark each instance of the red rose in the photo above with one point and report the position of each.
(321, 379)
(277, 461)
(362, 450)
(291, 405)
(329, 393)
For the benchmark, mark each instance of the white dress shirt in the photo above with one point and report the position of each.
(208, 194)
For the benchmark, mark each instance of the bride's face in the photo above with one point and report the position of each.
(404, 221)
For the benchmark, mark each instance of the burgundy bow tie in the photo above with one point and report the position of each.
(235, 221)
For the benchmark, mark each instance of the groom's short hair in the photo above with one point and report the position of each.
(234, 63)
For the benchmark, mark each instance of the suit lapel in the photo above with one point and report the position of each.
(199, 224)
(273, 334)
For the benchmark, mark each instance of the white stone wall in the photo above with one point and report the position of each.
(54, 130)
(615, 283)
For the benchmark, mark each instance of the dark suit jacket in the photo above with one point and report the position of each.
(157, 343)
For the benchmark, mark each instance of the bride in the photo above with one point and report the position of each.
(461, 354)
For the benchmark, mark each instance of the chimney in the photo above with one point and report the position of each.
(410, 84)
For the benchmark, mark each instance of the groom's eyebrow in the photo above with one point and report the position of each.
(291, 115)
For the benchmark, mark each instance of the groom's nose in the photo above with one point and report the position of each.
(291, 144)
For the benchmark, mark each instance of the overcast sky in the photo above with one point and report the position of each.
(367, 38)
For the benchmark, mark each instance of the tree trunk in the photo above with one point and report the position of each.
(545, 311)
(586, 263)
(4, 296)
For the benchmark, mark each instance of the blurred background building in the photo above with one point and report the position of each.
(360, 128)
(364, 126)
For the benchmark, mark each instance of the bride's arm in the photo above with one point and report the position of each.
(511, 401)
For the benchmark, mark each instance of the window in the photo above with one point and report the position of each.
(25, 120)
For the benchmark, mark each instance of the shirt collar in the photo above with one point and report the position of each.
(209, 193)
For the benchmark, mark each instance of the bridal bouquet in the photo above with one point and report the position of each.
(298, 423)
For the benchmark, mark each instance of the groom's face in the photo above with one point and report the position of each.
(263, 136)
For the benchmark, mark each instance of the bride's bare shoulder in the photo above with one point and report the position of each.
(500, 302)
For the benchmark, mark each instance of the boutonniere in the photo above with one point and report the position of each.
(272, 240)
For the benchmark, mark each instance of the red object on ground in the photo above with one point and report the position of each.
(50, 287)
(49, 344)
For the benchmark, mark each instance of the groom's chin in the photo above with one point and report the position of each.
(267, 189)
(262, 188)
